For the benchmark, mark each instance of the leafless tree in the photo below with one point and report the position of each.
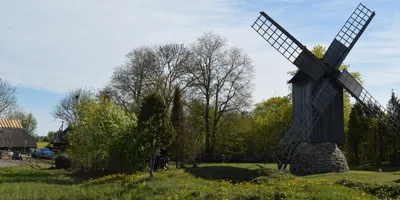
(222, 78)
(8, 101)
(66, 109)
(129, 83)
(172, 60)
(158, 69)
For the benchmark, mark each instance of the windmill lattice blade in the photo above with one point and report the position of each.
(303, 125)
(288, 46)
(348, 36)
(352, 86)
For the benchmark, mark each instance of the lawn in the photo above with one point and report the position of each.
(208, 181)
(41, 144)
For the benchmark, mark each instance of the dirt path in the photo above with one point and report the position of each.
(10, 163)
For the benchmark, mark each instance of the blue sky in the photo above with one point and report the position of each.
(48, 48)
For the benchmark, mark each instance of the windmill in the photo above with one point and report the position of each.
(317, 124)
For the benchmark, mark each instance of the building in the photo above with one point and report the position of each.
(330, 127)
(13, 137)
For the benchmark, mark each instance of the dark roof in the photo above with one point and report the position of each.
(16, 137)
(299, 76)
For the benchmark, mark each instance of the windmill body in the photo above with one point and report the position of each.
(309, 143)
(330, 126)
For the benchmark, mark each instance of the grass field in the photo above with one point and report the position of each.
(208, 181)
(41, 144)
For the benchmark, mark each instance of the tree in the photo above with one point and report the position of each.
(8, 101)
(178, 125)
(28, 121)
(357, 129)
(154, 125)
(268, 118)
(96, 138)
(172, 60)
(67, 108)
(221, 77)
(51, 135)
(130, 82)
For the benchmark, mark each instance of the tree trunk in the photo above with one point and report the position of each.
(152, 161)
(207, 126)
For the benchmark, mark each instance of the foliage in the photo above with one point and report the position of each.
(178, 123)
(269, 116)
(96, 138)
(28, 121)
(154, 125)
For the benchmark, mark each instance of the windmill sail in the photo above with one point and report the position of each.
(348, 82)
(288, 46)
(348, 36)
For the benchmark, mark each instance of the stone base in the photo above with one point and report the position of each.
(315, 158)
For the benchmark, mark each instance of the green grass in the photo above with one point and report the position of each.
(41, 144)
(208, 181)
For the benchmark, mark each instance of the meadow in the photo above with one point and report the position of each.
(208, 181)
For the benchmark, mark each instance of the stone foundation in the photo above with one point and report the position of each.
(315, 158)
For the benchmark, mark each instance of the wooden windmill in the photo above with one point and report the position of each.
(318, 85)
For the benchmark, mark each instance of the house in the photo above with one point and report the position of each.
(330, 126)
(13, 137)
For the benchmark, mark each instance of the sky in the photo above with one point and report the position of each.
(48, 48)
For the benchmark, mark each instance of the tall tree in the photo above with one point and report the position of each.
(221, 77)
(130, 82)
(154, 124)
(8, 101)
(28, 121)
(66, 109)
(178, 125)
(172, 60)
(357, 129)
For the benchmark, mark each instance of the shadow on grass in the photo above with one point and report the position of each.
(26, 176)
(374, 168)
(235, 174)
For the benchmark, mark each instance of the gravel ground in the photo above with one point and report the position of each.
(9, 163)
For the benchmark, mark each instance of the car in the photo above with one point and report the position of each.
(42, 152)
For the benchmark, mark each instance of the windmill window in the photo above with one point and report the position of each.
(280, 41)
(269, 32)
(285, 45)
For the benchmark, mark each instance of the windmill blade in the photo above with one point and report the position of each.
(348, 36)
(302, 126)
(348, 82)
(288, 46)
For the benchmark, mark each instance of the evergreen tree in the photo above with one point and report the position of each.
(154, 124)
(356, 131)
(177, 123)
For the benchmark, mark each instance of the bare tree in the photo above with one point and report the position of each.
(221, 77)
(66, 109)
(172, 60)
(8, 101)
(130, 82)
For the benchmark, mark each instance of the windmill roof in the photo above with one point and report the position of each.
(298, 77)
(10, 123)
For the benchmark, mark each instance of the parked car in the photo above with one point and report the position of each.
(42, 152)
(16, 156)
